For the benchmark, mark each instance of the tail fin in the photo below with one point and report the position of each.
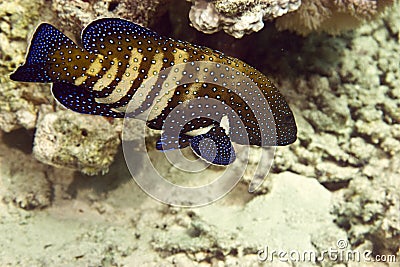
(45, 41)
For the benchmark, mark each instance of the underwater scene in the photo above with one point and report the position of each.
(200, 133)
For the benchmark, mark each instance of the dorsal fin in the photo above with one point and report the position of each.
(98, 31)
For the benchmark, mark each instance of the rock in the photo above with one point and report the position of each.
(23, 179)
(77, 14)
(19, 102)
(81, 142)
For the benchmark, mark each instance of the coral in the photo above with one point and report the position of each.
(331, 16)
(237, 17)
(309, 17)
(82, 142)
(355, 152)
(369, 209)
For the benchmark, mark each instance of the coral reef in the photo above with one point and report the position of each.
(352, 108)
(239, 17)
(82, 142)
(345, 94)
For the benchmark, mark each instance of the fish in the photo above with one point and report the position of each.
(116, 58)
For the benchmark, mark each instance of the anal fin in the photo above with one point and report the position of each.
(80, 100)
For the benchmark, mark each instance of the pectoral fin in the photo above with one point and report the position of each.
(214, 146)
(167, 142)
